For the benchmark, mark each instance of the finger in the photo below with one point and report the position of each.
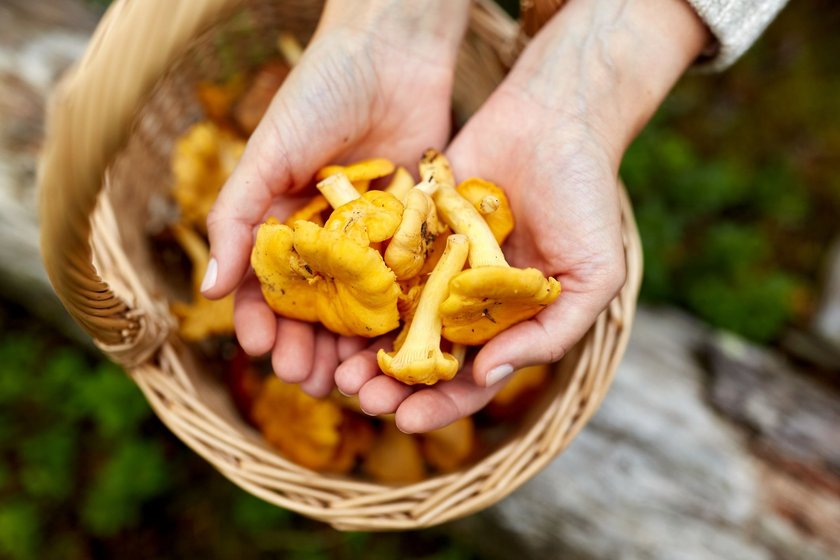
(382, 395)
(350, 345)
(283, 153)
(439, 406)
(322, 380)
(360, 368)
(254, 321)
(294, 350)
(547, 337)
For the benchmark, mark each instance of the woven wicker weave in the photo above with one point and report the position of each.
(111, 128)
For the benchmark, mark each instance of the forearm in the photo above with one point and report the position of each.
(610, 64)
(434, 27)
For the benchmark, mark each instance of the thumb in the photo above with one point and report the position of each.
(282, 155)
(547, 337)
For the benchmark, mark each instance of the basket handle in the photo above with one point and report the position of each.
(536, 13)
(89, 120)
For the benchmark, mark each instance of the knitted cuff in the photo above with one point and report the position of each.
(735, 24)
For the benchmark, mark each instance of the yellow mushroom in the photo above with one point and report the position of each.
(400, 184)
(303, 428)
(415, 236)
(491, 295)
(359, 292)
(202, 160)
(362, 174)
(449, 447)
(410, 291)
(492, 203)
(368, 218)
(395, 457)
(202, 317)
(365, 170)
(217, 99)
(288, 284)
(357, 439)
(420, 359)
(519, 393)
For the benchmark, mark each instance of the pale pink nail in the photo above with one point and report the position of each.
(210, 276)
(498, 373)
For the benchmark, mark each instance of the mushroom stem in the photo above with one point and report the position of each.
(489, 204)
(338, 190)
(289, 47)
(196, 251)
(401, 184)
(459, 352)
(463, 218)
(420, 359)
(410, 245)
(459, 213)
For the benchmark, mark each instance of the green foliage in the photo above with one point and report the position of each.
(735, 187)
(20, 530)
(134, 474)
(85, 464)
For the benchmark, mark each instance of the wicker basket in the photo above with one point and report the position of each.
(106, 163)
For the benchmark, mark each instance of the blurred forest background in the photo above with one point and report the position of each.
(737, 194)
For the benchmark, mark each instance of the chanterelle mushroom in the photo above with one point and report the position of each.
(360, 174)
(449, 447)
(420, 359)
(305, 429)
(287, 282)
(368, 218)
(492, 203)
(202, 317)
(395, 457)
(415, 235)
(491, 295)
(202, 160)
(400, 184)
(360, 291)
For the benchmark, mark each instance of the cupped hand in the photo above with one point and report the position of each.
(375, 80)
(552, 135)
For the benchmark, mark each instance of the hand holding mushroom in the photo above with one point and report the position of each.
(358, 90)
(553, 135)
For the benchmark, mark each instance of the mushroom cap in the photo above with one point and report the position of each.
(202, 160)
(274, 261)
(201, 317)
(305, 429)
(372, 218)
(395, 457)
(365, 170)
(447, 448)
(313, 211)
(356, 440)
(500, 220)
(427, 370)
(485, 301)
(414, 236)
(362, 292)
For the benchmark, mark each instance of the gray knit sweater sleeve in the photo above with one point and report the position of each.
(735, 24)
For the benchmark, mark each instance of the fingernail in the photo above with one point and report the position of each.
(210, 276)
(497, 374)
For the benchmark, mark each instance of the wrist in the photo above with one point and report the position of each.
(431, 27)
(610, 64)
